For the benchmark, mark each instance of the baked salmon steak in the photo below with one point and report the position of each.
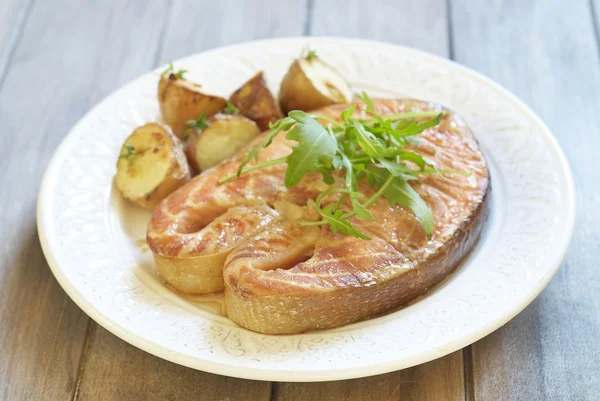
(282, 271)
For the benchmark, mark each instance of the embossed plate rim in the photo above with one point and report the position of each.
(266, 370)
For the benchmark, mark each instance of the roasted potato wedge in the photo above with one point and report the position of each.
(151, 165)
(224, 136)
(255, 101)
(310, 84)
(181, 101)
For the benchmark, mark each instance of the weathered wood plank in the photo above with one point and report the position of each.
(420, 24)
(113, 369)
(547, 54)
(12, 19)
(438, 380)
(60, 67)
(595, 9)
(196, 26)
(391, 21)
(116, 370)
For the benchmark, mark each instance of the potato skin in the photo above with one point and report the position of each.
(181, 101)
(255, 101)
(191, 145)
(297, 92)
(177, 174)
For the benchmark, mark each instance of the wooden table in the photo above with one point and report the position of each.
(59, 58)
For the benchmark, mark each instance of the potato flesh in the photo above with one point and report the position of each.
(148, 166)
(153, 169)
(225, 136)
(326, 80)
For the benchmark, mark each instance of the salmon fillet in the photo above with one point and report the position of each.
(281, 277)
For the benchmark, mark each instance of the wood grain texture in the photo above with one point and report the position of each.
(392, 21)
(60, 67)
(12, 19)
(420, 24)
(546, 54)
(195, 26)
(595, 9)
(438, 380)
(116, 371)
(57, 59)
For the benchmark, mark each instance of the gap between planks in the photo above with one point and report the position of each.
(596, 24)
(85, 353)
(467, 352)
(13, 40)
(468, 373)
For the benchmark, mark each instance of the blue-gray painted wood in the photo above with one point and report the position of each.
(595, 8)
(195, 26)
(12, 19)
(59, 58)
(69, 55)
(420, 24)
(545, 52)
(115, 370)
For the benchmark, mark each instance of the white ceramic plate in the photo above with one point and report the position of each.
(91, 237)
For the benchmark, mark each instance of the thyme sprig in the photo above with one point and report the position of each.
(198, 124)
(171, 71)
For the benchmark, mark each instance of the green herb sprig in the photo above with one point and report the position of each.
(231, 108)
(197, 124)
(171, 70)
(371, 148)
(129, 151)
(308, 54)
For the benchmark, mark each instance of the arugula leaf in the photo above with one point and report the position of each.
(370, 106)
(347, 114)
(355, 149)
(415, 128)
(334, 216)
(314, 152)
(414, 158)
(282, 125)
(360, 210)
(350, 177)
(397, 169)
(368, 142)
(338, 224)
(407, 155)
(400, 192)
